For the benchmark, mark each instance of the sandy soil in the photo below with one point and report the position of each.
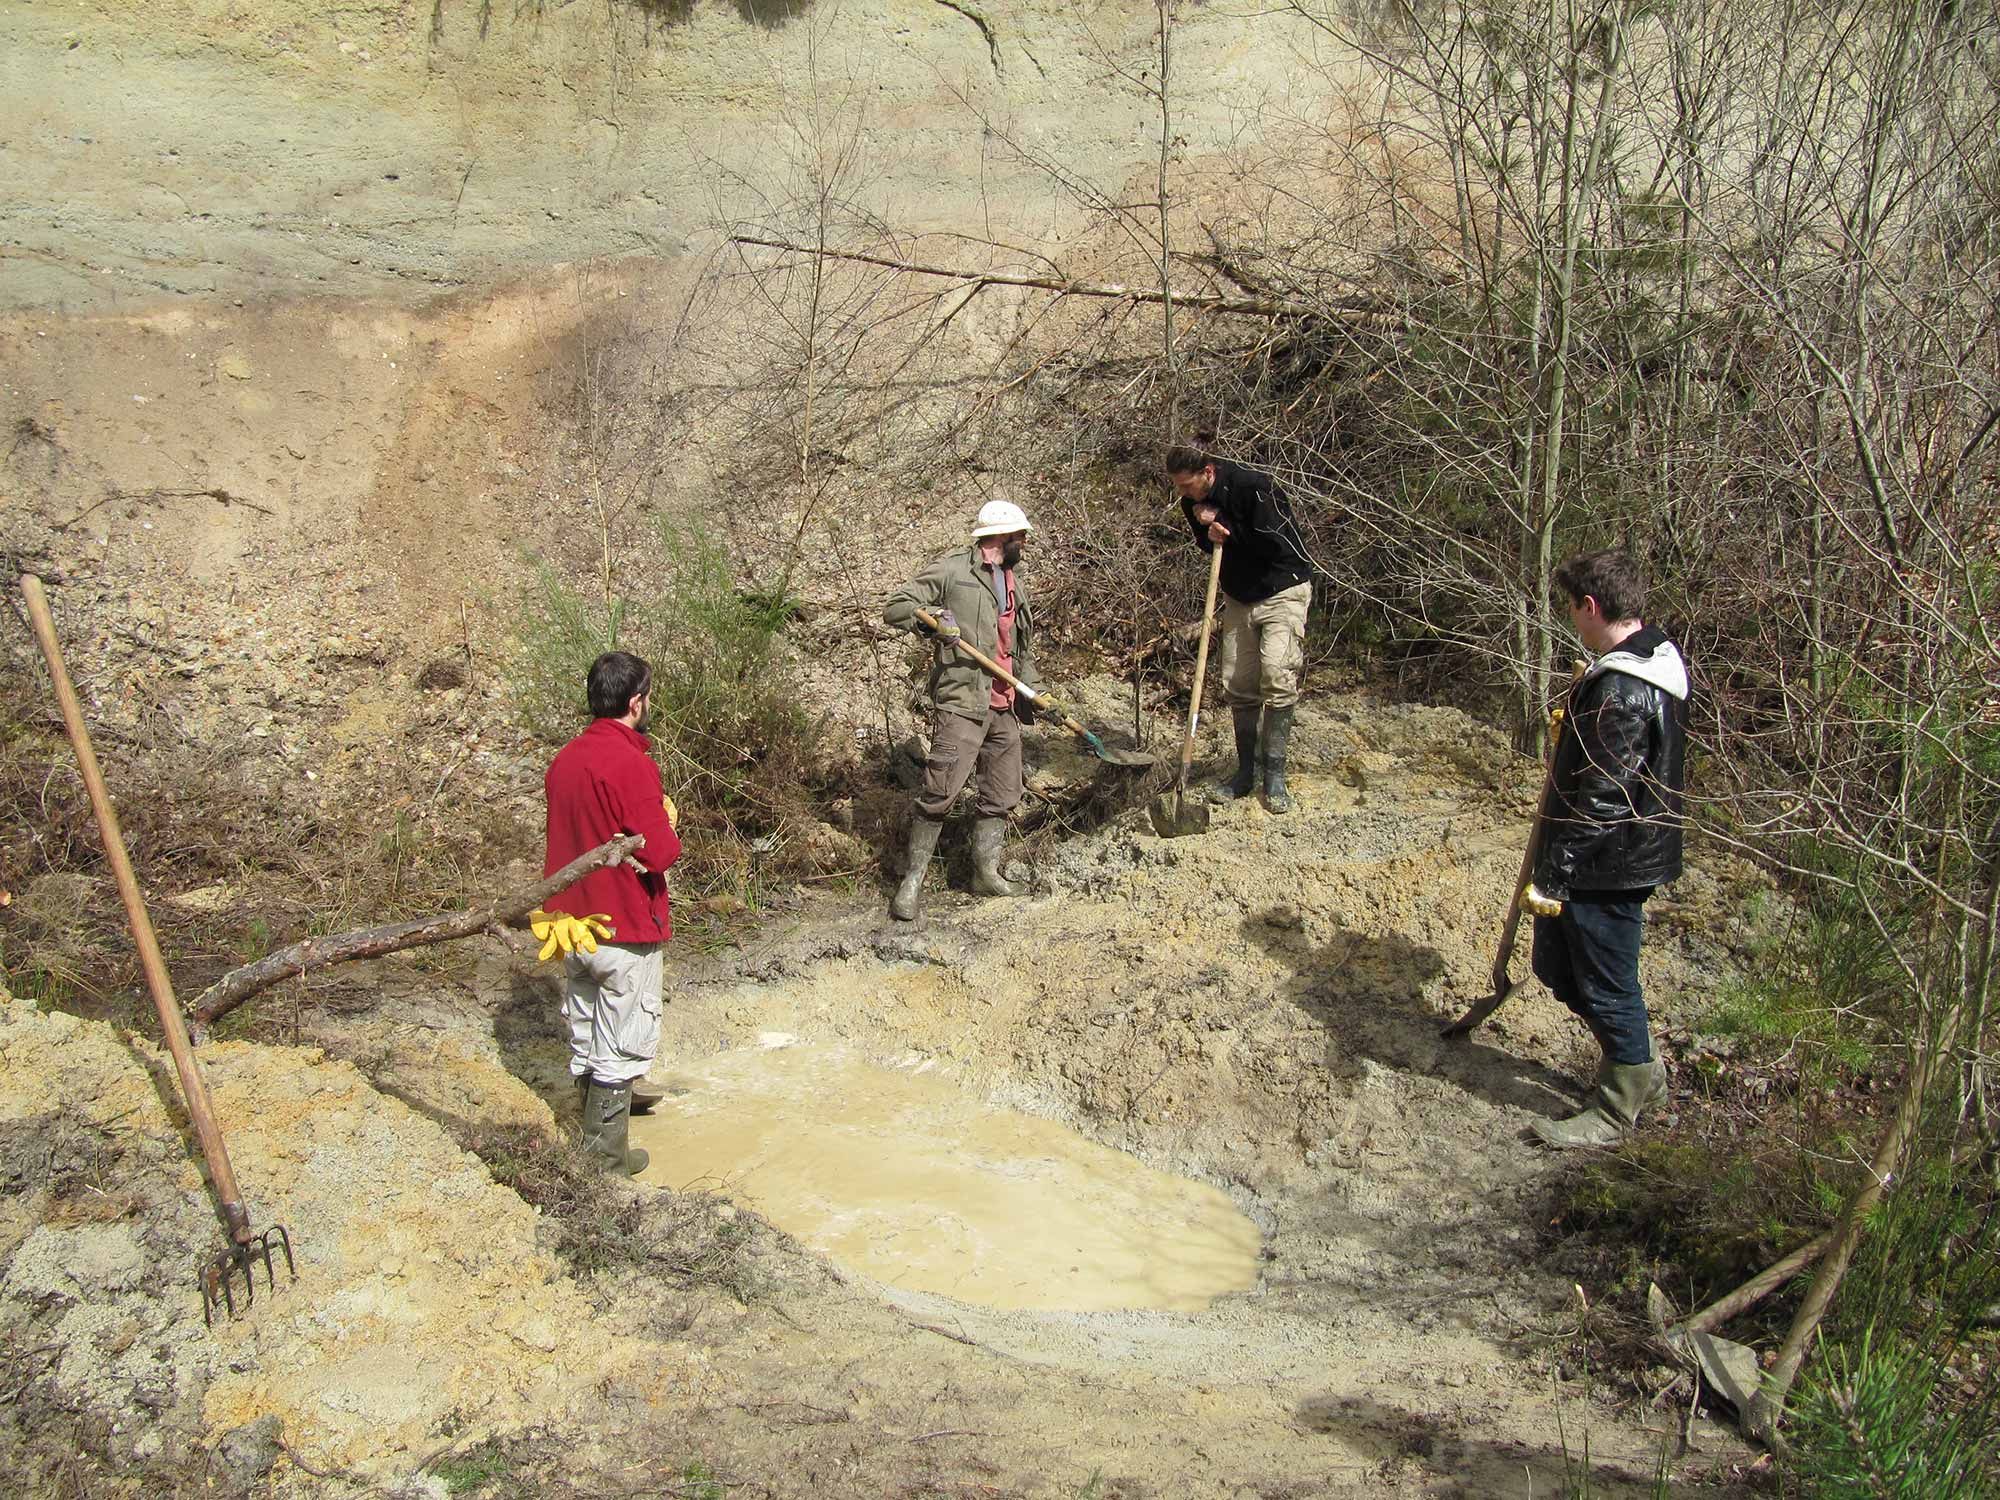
(1255, 1009)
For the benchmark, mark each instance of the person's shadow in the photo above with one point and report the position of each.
(1368, 996)
(528, 1029)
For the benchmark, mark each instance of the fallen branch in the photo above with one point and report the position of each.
(1258, 307)
(1753, 1291)
(238, 985)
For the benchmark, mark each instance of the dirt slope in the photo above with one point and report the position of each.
(1255, 1008)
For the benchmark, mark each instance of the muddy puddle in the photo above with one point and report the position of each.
(901, 1176)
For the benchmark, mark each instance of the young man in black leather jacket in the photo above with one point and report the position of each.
(1266, 591)
(1612, 834)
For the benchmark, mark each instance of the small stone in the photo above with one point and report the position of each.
(235, 366)
(247, 1453)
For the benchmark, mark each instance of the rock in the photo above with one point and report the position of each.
(246, 1453)
(235, 366)
(1365, 768)
(444, 673)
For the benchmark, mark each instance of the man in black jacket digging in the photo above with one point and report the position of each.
(1612, 833)
(1266, 590)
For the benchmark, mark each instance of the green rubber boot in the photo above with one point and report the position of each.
(989, 836)
(607, 1120)
(1277, 734)
(1624, 1092)
(1244, 782)
(923, 843)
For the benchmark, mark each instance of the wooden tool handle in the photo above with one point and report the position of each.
(1042, 703)
(235, 1216)
(1201, 664)
(1536, 830)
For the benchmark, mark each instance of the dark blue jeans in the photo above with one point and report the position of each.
(1589, 958)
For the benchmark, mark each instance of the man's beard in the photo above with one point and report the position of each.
(1010, 554)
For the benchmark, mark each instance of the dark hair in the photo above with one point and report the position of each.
(1610, 577)
(616, 678)
(1185, 458)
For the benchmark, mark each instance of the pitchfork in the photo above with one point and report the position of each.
(246, 1246)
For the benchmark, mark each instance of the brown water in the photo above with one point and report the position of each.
(897, 1174)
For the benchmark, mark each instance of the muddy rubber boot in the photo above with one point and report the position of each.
(643, 1098)
(988, 835)
(1244, 782)
(923, 843)
(1277, 732)
(582, 1082)
(1624, 1092)
(607, 1119)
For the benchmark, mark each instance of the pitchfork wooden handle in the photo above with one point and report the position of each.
(235, 1216)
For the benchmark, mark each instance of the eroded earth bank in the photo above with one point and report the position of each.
(1255, 1009)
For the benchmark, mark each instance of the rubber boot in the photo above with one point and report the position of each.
(643, 1099)
(1277, 732)
(582, 1082)
(1244, 782)
(1624, 1092)
(607, 1118)
(923, 843)
(988, 836)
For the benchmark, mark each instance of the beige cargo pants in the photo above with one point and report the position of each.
(612, 1003)
(1263, 648)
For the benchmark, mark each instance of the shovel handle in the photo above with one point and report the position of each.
(980, 658)
(200, 1113)
(1201, 664)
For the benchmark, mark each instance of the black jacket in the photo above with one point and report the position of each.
(1615, 806)
(1263, 555)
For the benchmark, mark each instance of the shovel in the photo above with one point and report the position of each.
(246, 1246)
(1137, 759)
(1503, 987)
(1170, 812)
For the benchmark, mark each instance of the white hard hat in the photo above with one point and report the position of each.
(999, 518)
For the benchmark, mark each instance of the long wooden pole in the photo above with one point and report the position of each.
(234, 1215)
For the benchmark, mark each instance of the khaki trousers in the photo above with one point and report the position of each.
(612, 1004)
(959, 746)
(1263, 648)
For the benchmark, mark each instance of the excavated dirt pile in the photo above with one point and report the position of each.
(1255, 1009)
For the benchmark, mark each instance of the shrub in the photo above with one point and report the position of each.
(736, 747)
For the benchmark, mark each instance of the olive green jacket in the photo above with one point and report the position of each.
(956, 582)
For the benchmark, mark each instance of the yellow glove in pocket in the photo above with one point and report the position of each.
(673, 813)
(559, 930)
(1537, 904)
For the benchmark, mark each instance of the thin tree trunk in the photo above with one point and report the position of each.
(1767, 1406)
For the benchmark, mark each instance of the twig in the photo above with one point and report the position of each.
(1263, 307)
(213, 492)
(946, 1333)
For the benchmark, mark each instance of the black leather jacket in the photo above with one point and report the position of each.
(1615, 808)
(1264, 554)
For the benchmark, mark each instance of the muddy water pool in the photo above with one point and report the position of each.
(900, 1175)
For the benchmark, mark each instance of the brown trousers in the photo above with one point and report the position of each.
(958, 746)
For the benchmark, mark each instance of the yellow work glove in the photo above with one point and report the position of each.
(1532, 900)
(559, 930)
(673, 813)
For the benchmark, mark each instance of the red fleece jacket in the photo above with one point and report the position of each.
(600, 785)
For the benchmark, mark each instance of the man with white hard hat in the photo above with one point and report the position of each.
(974, 596)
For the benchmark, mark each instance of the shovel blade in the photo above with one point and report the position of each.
(1478, 1012)
(1175, 815)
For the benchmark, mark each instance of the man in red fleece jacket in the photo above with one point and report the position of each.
(603, 784)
